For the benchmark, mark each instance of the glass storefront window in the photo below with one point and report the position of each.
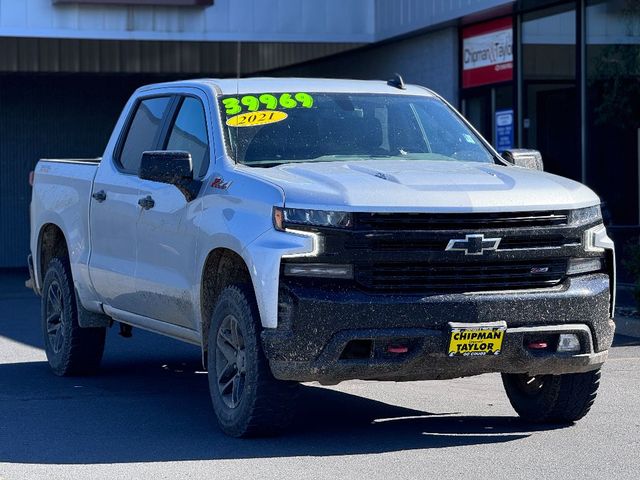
(549, 93)
(613, 107)
(487, 79)
(477, 109)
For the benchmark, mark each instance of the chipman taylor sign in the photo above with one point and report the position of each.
(487, 53)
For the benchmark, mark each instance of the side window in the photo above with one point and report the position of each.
(143, 132)
(189, 133)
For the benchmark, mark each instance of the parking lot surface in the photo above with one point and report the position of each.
(147, 415)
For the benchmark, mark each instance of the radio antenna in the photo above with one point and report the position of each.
(238, 67)
(397, 82)
(238, 59)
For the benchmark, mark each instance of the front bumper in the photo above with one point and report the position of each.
(316, 325)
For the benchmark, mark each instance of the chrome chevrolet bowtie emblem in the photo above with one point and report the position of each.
(474, 244)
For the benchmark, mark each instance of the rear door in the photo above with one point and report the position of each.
(115, 211)
(166, 269)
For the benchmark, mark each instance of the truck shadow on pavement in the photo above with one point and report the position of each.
(150, 403)
(148, 412)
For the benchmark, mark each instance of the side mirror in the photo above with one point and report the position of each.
(166, 166)
(522, 157)
(172, 167)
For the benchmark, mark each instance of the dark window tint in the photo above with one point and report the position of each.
(189, 133)
(143, 132)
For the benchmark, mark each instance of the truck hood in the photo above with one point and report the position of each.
(414, 185)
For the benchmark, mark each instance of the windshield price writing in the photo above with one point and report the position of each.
(252, 103)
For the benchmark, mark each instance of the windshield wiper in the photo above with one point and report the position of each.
(265, 164)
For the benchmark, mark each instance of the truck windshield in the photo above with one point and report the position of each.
(268, 129)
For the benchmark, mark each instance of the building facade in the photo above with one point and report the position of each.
(559, 76)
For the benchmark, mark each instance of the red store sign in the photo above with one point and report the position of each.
(487, 53)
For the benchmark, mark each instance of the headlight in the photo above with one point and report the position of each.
(286, 217)
(585, 216)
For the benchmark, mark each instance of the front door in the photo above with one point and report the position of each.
(166, 276)
(115, 211)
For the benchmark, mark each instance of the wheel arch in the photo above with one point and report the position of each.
(222, 267)
(51, 243)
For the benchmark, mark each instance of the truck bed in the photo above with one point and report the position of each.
(61, 196)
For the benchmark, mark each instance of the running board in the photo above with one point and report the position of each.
(156, 326)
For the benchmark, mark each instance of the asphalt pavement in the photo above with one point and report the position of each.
(147, 415)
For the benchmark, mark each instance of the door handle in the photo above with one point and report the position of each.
(100, 196)
(146, 202)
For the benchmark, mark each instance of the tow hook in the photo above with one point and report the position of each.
(397, 348)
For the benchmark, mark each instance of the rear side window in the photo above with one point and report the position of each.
(143, 131)
(189, 134)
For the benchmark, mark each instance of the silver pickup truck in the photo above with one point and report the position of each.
(324, 230)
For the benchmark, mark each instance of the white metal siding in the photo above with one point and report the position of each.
(226, 20)
(349, 21)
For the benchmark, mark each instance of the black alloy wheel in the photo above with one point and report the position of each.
(54, 314)
(247, 399)
(70, 349)
(231, 361)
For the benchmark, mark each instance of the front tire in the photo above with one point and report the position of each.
(71, 350)
(247, 399)
(552, 398)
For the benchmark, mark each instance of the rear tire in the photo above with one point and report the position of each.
(71, 350)
(247, 399)
(552, 398)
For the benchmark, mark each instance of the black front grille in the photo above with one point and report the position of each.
(406, 253)
(457, 222)
(424, 242)
(460, 277)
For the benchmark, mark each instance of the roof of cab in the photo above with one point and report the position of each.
(231, 86)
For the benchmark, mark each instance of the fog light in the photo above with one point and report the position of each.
(584, 265)
(320, 270)
(568, 342)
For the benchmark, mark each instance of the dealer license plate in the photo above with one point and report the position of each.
(476, 339)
